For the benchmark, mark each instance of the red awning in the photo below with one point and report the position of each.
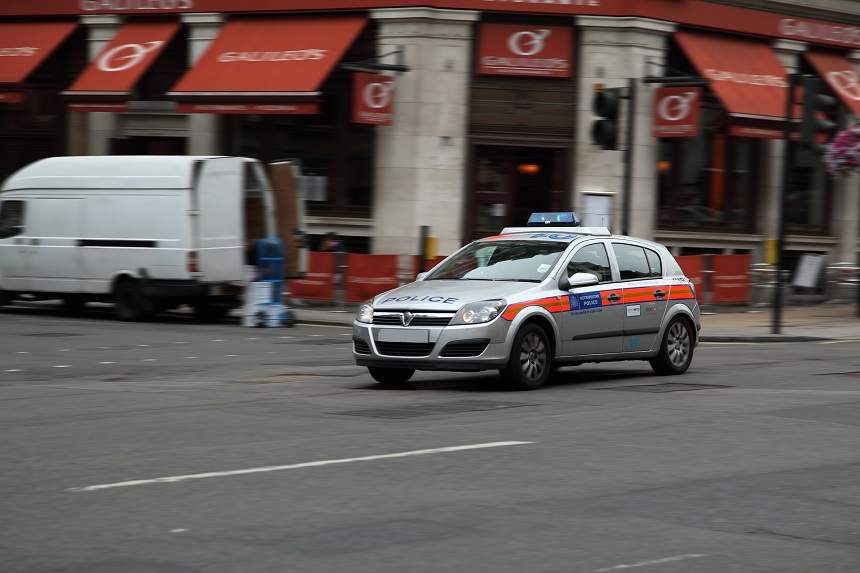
(745, 74)
(119, 66)
(841, 75)
(25, 45)
(269, 56)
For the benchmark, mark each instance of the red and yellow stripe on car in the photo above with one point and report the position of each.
(681, 292)
(552, 304)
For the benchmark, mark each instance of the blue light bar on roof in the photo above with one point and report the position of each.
(561, 219)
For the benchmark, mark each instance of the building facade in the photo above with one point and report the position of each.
(491, 121)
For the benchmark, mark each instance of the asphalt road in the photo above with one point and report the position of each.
(760, 472)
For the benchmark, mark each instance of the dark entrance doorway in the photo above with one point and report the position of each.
(144, 145)
(509, 183)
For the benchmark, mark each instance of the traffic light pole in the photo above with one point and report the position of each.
(787, 158)
(628, 156)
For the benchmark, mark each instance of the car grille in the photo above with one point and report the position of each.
(394, 320)
(405, 348)
(465, 348)
(361, 346)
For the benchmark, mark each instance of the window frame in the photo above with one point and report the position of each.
(22, 228)
(618, 266)
(659, 275)
(613, 271)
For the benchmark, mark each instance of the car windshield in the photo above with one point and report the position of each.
(524, 261)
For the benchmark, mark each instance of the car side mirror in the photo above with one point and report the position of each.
(420, 276)
(582, 280)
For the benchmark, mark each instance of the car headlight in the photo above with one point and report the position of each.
(479, 312)
(365, 313)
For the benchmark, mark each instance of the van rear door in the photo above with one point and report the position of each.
(219, 234)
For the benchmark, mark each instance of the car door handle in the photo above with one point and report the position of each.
(613, 298)
(659, 293)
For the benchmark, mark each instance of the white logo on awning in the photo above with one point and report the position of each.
(126, 56)
(675, 107)
(377, 95)
(846, 82)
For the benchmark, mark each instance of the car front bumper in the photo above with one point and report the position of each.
(432, 356)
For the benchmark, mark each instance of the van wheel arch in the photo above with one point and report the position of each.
(130, 302)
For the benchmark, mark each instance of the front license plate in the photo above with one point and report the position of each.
(403, 335)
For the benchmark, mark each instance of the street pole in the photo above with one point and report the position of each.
(787, 158)
(628, 156)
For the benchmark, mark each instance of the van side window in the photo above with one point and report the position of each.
(591, 259)
(654, 263)
(632, 263)
(11, 218)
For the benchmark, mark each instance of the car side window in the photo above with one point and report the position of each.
(11, 218)
(654, 263)
(591, 259)
(632, 262)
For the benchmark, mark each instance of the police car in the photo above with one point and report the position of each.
(532, 299)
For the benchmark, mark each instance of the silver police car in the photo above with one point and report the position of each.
(532, 299)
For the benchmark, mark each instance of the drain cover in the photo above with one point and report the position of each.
(431, 409)
(666, 387)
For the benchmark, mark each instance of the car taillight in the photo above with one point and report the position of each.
(193, 267)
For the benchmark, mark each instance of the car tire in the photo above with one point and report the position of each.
(130, 302)
(531, 361)
(391, 377)
(676, 349)
(4, 298)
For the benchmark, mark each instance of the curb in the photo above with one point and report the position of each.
(762, 338)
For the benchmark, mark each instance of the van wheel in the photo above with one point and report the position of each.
(131, 304)
(391, 377)
(4, 298)
(676, 350)
(530, 363)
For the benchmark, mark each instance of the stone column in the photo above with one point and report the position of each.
(846, 208)
(101, 126)
(202, 127)
(611, 50)
(789, 53)
(419, 171)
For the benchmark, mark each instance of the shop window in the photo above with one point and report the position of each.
(709, 182)
(807, 204)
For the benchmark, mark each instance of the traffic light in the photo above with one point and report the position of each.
(818, 108)
(606, 105)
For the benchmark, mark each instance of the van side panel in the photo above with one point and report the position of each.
(129, 231)
(53, 227)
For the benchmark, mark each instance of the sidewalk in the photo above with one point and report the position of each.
(800, 323)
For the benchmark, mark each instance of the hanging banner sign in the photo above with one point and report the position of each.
(372, 99)
(522, 50)
(676, 111)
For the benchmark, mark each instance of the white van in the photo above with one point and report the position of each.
(146, 232)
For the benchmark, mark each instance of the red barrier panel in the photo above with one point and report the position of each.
(318, 282)
(731, 278)
(693, 267)
(369, 275)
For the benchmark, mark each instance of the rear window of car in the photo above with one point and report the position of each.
(636, 262)
(654, 263)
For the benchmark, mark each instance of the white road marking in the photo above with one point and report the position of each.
(729, 343)
(840, 341)
(316, 335)
(13, 370)
(143, 345)
(22, 352)
(266, 469)
(217, 340)
(107, 362)
(231, 355)
(178, 530)
(150, 359)
(191, 357)
(65, 350)
(651, 562)
(286, 337)
(104, 347)
(252, 338)
(180, 343)
(61, 366)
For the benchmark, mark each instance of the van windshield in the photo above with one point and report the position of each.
(520, 261)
